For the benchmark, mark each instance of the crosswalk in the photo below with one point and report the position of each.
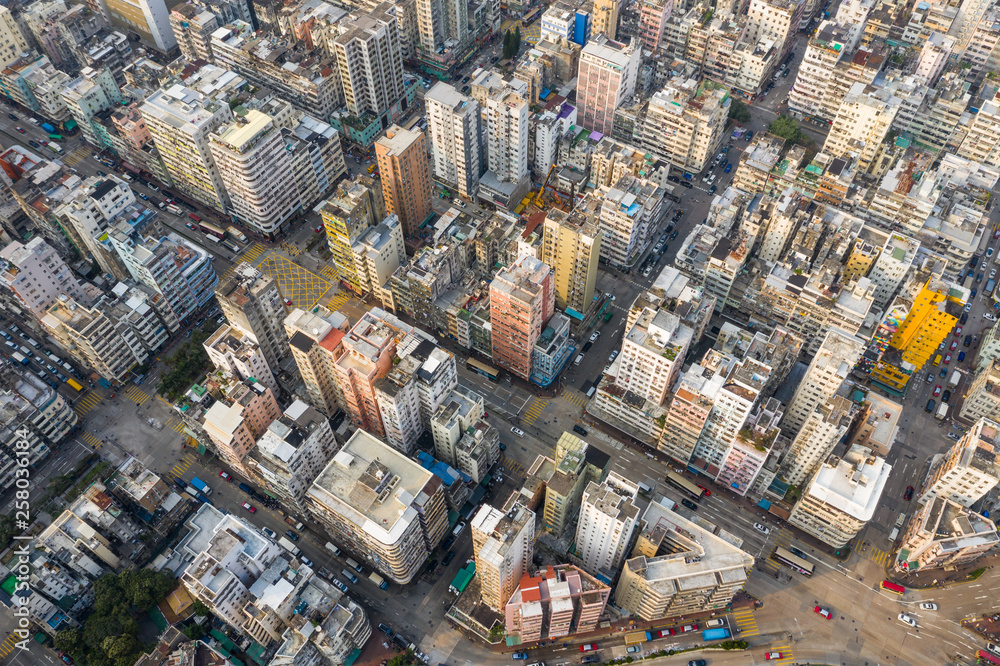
(329, 272)
(78, 155)
(337, 301)
(91, 439)
(783, 538)
(536, 409)
(786, 654)
(253, 252)
(512, 466)
(8, 645)
(178, 470)
(175, 425)
(136, 395)
(89, 400)
(746, 623)
(577, 399)
(878, 556)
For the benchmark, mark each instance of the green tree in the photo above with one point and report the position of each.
(739, 111)
(788, 129)
(144, 588)
(404, 659)
(506, 44)
(517, 40)
(199, 609)
(71, 641)
(193, 631)
(122, 650)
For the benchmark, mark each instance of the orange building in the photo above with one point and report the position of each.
(406, 176)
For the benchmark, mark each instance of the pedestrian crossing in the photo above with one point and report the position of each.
(176, 426)
(136, 395)
(746, 623)
(91, 439)
(536, 409)
(330, 273)
(512, 466)
(878, 556)
(8, 645)
(337, 301)
(253, 252)
(89, 400)
(178, 470)
(786, 654)
(577, 399)
(783, 539)
(78, 155)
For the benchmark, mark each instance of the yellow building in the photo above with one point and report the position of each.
(860, 261)
(571, 246)
(356, 207)
(929, 319)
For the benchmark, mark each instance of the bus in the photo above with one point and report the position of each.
(482, 369)
(532, 16)
(56, 137)
(635, 637)
(987, 657)
(75, 384)
(892, 587)
(212, 229)
(685, 486)
(793, 562)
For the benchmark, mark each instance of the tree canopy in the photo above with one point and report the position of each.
(739, 111)
(788, 129)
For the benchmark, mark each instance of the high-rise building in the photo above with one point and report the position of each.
(291, 453)
(607, 76)
(150, 19)
(251, 302)
(608, 519)
(653, 17)
(823, 429)
(406, 177)
(827, 371)
(37, 275)
(256, 171)
(231, 350)
(92, 93)
(571, 245)
(686, 122)
(774, 20)
(12, 39)
(94, 337)
(970, 469)
(507, 130)
(679, 568)
(630, 211)
(378, 252)
(314, 340)
(193, 26)
(441, 21)
(943, 534)
(365, 355)
(238, 418)
(461, 437)
(356, 207)
(982, 398)
(863, 121)
(606, 18)
(521, 301)
(503, 542)
(841, 497)
(382, 506)
(687, 414)
(981, 143)
(454, 124)
(180, 121)
(560, 601)
(371, 67)
(889, 269)
(731, 408)
(652, 352)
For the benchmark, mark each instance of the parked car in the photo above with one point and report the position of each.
(292, 535)
(908, 495)
(937, 390)
(249, 507)
(632, 649)
(708, 493)
(824, 612)
(226, 476)
(687, 628)
(268, 532)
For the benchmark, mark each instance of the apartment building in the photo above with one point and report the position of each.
(459, 416)
(454, 123)
(629, 213)
(678, 568)
(14, 45)
(608, 520)
(943, 534)
(808, 94)
(607, 77)
(829, 368)
(981, 143)
(876, 425)
(775, 20)
(753, 172)
(180, 121)
(231, 350)
(350, 212)
(193, 26)
(969, 469)
(406, 178)
(841, 497)
(862, 123)
(290, 454)
(824, 428)
(522, 300)
(371, 65)
(605, 15)
(314, 339)
(571, 245)
(378, 253)
(503, 542)
(238, 418)
(688, 413)
(150, 19)
(440, 23)
(36, 275)
(252, 304)
(652, 352)
(383, 507)
(560, 601)
(686, 122)
(507, 146)
(256, 171)
(891, 266)
(653, 16)
(93, 92)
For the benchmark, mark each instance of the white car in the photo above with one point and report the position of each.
(928, 605)
(594, 336)
(761, 528)
(906, 619)
(989, 316)
(517, 431)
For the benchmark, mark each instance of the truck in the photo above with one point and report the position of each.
(175, 209)
(332, 548)
(75, 384)
(294, 523)
(354, 565)
(201, 486)
(956, 377)
(231, 246)
(721, 633)
(942, 412)
(286, 543)
(989, 286)
(55, 147)
(378, 580)
(893, 534)
(236, 233)
(48, 127)
(19, 357)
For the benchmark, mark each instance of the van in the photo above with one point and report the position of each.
(349, 576)
(580, 431)
(930, 406)
(937, 360)
(25, 350)
(579, 357)
(715, 623)
(458, 528)
(591, 390)
(333, 549)
(354, 565)
(893, 534)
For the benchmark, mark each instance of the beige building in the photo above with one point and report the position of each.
(841, 497)
(756, 163)
(149, 19)
(12, 42)
(605, 18)
(385, 508)
(252, 304)
(315, 340)
(943, 535)
(685, 123)
(238, 417)
(970, 469)
(406, 176)
(823, 429)
(862, 123)
(571, 245)
(876, 425)
(982, 399)
(828, 370)
(679, 568)
(503, 542)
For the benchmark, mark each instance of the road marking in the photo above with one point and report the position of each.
(536, 409)
(8, 645)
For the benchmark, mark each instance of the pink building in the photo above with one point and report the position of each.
(132, 127)
(607, 76)
(238, 418)
(559, 601)
(522, 298)
(653, 18)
